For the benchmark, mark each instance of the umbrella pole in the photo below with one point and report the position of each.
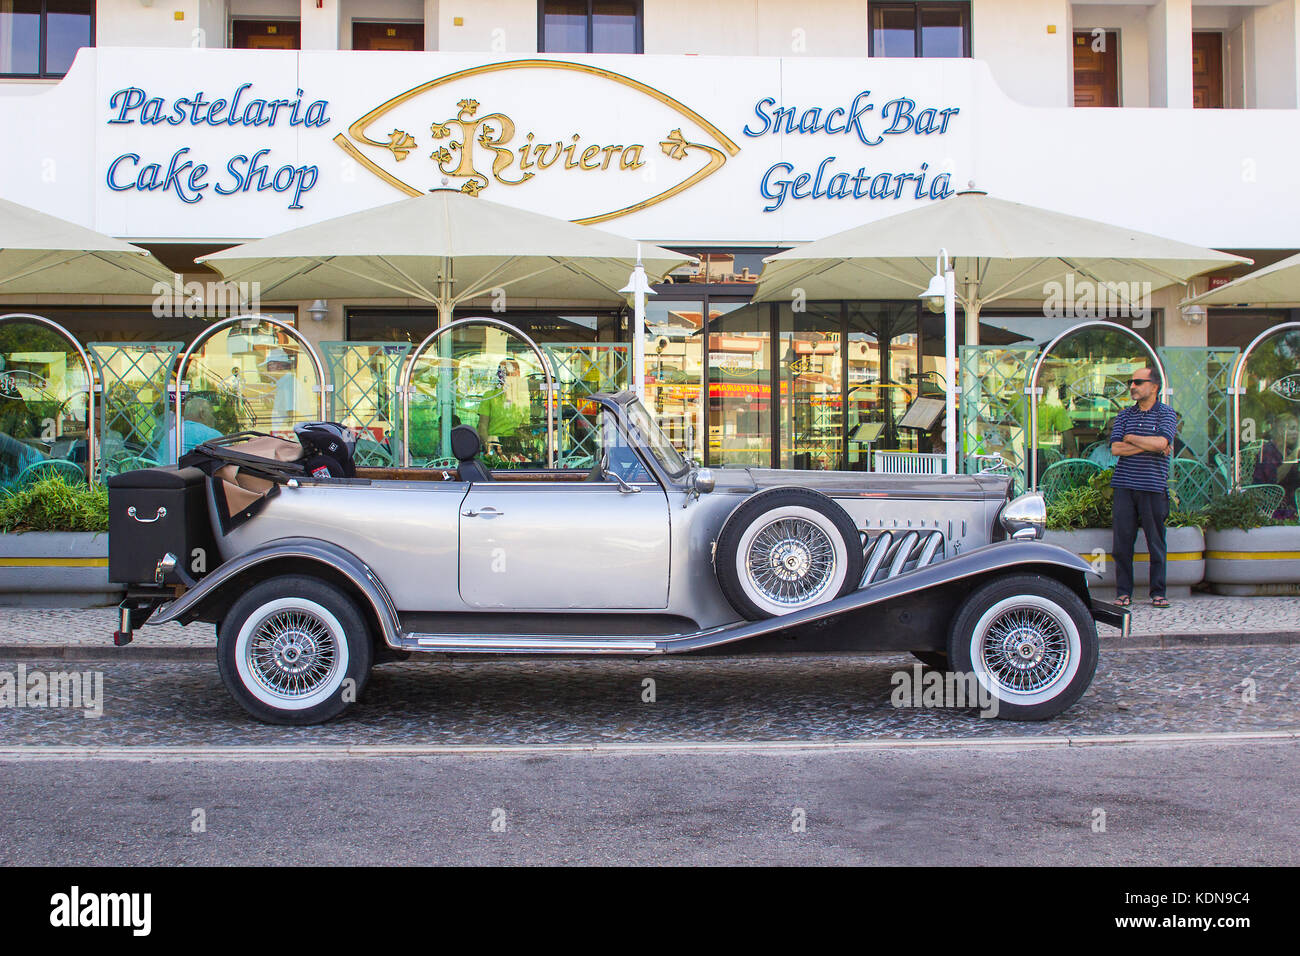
(446, 404)
(950, 362)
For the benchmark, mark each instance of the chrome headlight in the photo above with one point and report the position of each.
(1025, 518)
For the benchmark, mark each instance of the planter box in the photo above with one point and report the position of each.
(1256, 562)
(56, 569)
(1185, 567)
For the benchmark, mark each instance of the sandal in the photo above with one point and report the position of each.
(1123, 601)
(1159, 602)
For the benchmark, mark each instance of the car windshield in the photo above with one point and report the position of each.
(645, 432)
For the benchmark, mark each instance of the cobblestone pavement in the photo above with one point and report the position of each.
(807, 698)
(1199, 614)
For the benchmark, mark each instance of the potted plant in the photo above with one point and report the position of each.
(54, 546)
(1249, 553)
(1081, 519)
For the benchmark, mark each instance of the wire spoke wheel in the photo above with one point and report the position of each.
(791, 561)
(1025, 650)
(292, 653)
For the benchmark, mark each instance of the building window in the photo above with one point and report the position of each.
(367, 35)
(920, 29)
(265, 34)
(589, 26)
(42, 37)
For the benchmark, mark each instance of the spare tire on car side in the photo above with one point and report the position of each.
(786, 549)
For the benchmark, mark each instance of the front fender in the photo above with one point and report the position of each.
(308, 550)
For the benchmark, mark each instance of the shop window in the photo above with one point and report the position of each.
(368, 35)
(742, 266)
(920, 29)
(42, 37)
(265, 34)
(589, 26)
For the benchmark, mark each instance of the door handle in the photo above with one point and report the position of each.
(488, 512)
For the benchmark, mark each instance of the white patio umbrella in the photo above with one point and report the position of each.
(43, 254)
(445, 247)
(1001, 250)
(1270, 285)
(998, 249)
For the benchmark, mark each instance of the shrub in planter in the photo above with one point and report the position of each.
(1081, 520)
(52, 504)
(60, 521)
(1248, 553)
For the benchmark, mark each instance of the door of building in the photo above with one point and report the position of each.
(1096, 68)
(264, 34)
(1207, 70)
(387, 36)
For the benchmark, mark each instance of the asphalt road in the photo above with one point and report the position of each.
(1231, 804)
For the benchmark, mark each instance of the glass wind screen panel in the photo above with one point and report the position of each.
(812, 403)
(674, 373)
(1270, 416)
(44, 405)
(740, 388)
(67, 30)
(486, 378)
(250, 378)
(893, 31)
(882, 379)
(943, 31)
(20, 36)
(1085, 386)
(613, 26)
(564, 26)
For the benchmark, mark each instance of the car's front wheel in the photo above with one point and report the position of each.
(294, 650)
(1030, 642)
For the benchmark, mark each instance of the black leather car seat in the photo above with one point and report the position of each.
(466, 445)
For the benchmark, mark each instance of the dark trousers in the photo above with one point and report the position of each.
(1147, 509)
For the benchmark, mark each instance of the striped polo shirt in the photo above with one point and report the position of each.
(1148, 470)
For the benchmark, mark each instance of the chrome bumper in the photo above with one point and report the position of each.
(1112, 614)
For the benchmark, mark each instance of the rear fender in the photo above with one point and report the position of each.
(218, 590)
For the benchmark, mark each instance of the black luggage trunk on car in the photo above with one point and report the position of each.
(154, 512)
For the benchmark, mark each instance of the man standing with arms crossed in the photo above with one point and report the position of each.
(1143, 439)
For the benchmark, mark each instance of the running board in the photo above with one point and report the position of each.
(1003, 555)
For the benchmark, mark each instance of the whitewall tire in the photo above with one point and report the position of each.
(294, 650)
(1030, 641)
(787, 549)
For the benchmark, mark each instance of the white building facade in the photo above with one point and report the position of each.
(728, 129)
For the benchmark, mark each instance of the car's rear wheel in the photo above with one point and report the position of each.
(1031, 643)
(294, 650)
(785, 550)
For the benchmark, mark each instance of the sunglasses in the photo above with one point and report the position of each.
(1140, 381)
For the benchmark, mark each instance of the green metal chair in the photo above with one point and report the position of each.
(1268, 498)
(370, 454)
(1099, 453)
(1065, 475)
(34, 472)
(1193, 484)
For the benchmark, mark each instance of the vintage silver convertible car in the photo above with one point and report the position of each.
(312, 570)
